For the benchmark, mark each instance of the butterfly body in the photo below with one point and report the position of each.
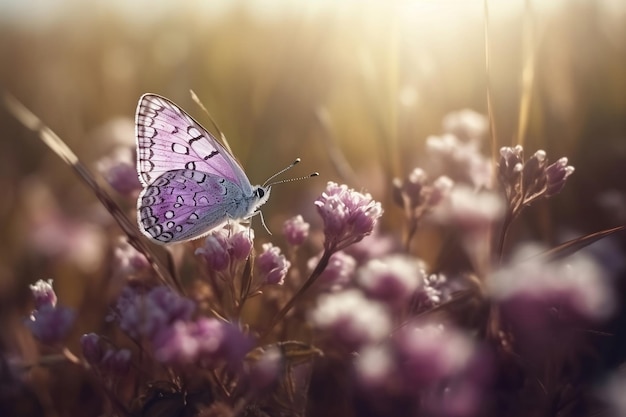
(192, 184)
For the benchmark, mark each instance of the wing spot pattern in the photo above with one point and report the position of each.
(211, 155)
(170, 224)
(155, 230)
(169, 214)
(165, 237)
(180, 149)
(152, 191)
(194, 133)
(179, 228)
(193, 216)
(190, 165)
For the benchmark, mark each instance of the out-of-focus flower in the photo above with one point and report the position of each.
(417, 195)
(92, 350)
(128, 261)
(375, 366)
(118, 169)
(145, 314)
(434, 290)
(462, 161)
(539, 298)
(204, 342)
(272, 265)
(338, 273)
(50, 324)
(43, 293)
(372, 246)
(296, 230)
(426, 367)
(222, 247)
(466, 125)
(393, 279)
(430, 353)
(470, 210)
(350, 318)
(266, 370)
(348, 215)
(116, 361)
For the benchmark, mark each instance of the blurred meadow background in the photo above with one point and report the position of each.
(353, 88)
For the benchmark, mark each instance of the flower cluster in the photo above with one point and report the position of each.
(348, 215)
(526, 181)
(436, 320)
(225, 248)
(49, 323)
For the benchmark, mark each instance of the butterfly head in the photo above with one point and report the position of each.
(262, 194)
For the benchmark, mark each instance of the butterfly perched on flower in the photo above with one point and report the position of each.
(191, 183)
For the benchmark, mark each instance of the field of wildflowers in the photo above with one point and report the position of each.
(460, 254)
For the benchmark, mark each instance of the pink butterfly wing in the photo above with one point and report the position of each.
(169, 139)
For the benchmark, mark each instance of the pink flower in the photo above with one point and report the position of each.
(351, 319)
(393, 279)
(296, 230)
(348, 215)
(272, 265)
(50, 324)
(339, 272)
(224, 246)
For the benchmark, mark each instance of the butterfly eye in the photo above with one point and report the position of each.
(260, 192)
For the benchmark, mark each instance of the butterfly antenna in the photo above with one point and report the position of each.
(311, 175)
(293, 164)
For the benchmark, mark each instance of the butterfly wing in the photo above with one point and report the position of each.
(170, 139)
(184, 204)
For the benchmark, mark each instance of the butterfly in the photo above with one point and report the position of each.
(191, 183)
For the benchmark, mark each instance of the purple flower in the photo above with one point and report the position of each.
(128, 262)
(92, 351)
(215, 251)
(222, 247)
(338, 273)
(272, 265)
(524, 182)
(429, 354)
(542, 301)
(146, 314)
(50, 324)
(511, 164)
(119, 170)
(43, 293)
(116, 361)
(393, 279)
(557, 174)
(205, 341)
(296, 230)
(375, 245)
(348, 215)
(351, 319)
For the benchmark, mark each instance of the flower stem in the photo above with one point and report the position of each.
(319, 268)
